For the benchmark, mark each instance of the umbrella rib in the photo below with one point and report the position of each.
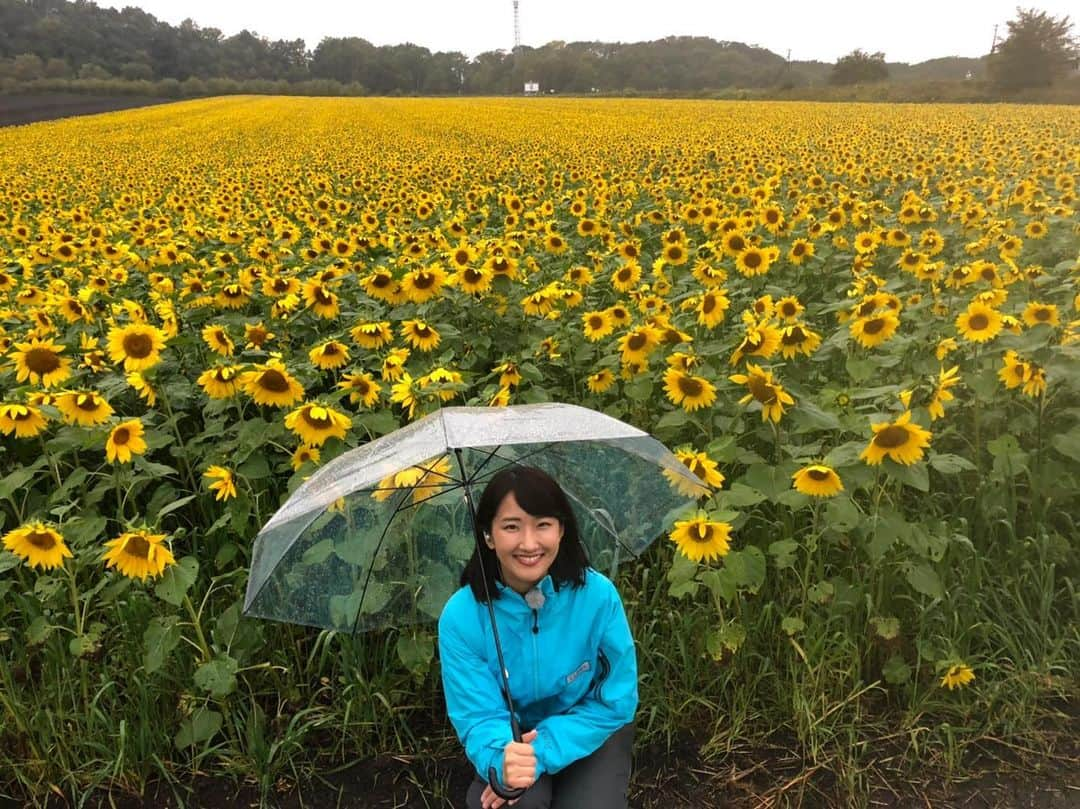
(370, 567)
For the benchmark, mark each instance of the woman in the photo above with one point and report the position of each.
(566, 643)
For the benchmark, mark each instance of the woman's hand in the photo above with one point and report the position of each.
(519, 764)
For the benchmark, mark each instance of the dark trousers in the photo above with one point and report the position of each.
(598, 781)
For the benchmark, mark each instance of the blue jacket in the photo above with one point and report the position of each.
(573, 671)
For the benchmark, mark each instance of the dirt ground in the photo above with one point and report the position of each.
(26, 109)
(999, 776)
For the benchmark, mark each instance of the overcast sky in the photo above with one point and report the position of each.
(910, 31)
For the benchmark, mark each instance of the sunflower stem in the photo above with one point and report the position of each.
(49, 461)
(185, 463)
(197, 625)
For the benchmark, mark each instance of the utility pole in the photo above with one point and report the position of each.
(993, 45)
(517, 27)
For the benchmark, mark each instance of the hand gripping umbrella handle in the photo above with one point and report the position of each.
(493, 777)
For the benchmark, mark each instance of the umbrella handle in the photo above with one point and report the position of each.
(501, 791)
(493, 777)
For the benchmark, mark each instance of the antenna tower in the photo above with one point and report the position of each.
(517, 27)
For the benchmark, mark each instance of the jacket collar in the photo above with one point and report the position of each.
(515, 600)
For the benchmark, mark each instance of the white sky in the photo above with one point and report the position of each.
(911, 31)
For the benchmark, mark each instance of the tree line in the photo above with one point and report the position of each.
(59, 40)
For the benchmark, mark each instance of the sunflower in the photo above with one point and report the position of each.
(224, 485)
(675, 254)
(711, 308)
(946, 380)
(420, 335)
(958, 675)
(818, 480)
(900, 440)
(124, 441)
(218, 340)
(424, 480)
(462, 256)
(394, 364)
(509, 374)
(271, 384)
(380, 285)
(329, 355)
(39, 361)
(979, 323)
(83, 407)
(315, 423)
(801, 250)
(761, 340)
(220, 381)
(137, 345)
(38, 544)
(701, 539)
(788, 308)
(626, 277)
(362, 388)
(322, 300)
(372, 335)
(256, 335)
(601, 381)
(502, 266)
(755, 260)
(555, 244)
(1036, 313)
(24, 420)
(874, 330)
(597, 325)
(798, 339)
(473, 281)
(637, 344)
(701, 465)
(424, 283)
(691, 392)
(770, 395)
(138, 554)
(303, 455)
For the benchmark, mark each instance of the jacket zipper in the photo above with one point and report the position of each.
(536, 655)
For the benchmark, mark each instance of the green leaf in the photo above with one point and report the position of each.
(721, 583)
(159, 639)
(39, 630)
(793, 625)
(821, 592)
(886, 627)
(218, 677)
(416, 651)
(771, 481)
(1068, 444)
(671, 422)
(915, 475)
(747, 568)
(842, 514)
(84, 530)
(177, 580)
(152, 469)
(682, 576)
(255, 467)
(896, 670)
(740, 496)
(202, 726)
(8, 561)
(949, 464)
(725, 639)
(174, 505)
(924, 579)
(640, 389)
(809, 417)
(783, 553)
(16, 480)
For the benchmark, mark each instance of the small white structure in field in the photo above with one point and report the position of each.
(532, 88)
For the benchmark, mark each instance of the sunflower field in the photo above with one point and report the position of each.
(859, 325)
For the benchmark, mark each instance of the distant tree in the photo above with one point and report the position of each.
(859, 67)
(1038, 50)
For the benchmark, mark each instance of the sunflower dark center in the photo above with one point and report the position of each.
(701, 533)
(42, 360)
(752, 260)
(874, 325)
(625, 274)
(323, 297)
(233, 291)
(137, 546)
(636, 342)
(793, 336)
(893, 436)
(818, 474)
(978, 322)
(690, 386)
(674, 252)
(42, 540)
(88, 403)
(473, 276)
(788, 310)
(708, 303)
(461, 257)
(138, 346)
(381, 281)
(761, 390)
(273, 381)
(330, 350)
(1042, 314)
(596, 322)
(798, 250)
(121, 435)
(319, 423)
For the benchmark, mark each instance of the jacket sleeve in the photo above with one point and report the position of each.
(564, 738)
(474, 700)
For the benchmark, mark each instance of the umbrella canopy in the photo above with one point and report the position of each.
(379, 536)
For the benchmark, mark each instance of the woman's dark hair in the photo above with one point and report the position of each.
(541, 496)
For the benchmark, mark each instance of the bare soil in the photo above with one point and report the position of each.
(1000, 775)
(26, 109)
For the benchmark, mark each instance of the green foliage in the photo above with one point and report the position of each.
(859, 67)
(1038, 50)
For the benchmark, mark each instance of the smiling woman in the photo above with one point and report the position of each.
(574, 669)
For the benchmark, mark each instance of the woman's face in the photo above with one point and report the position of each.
(524, 545)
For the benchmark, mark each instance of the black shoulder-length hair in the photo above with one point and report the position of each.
(541, 496)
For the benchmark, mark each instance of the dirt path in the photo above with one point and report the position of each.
(26, 109)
